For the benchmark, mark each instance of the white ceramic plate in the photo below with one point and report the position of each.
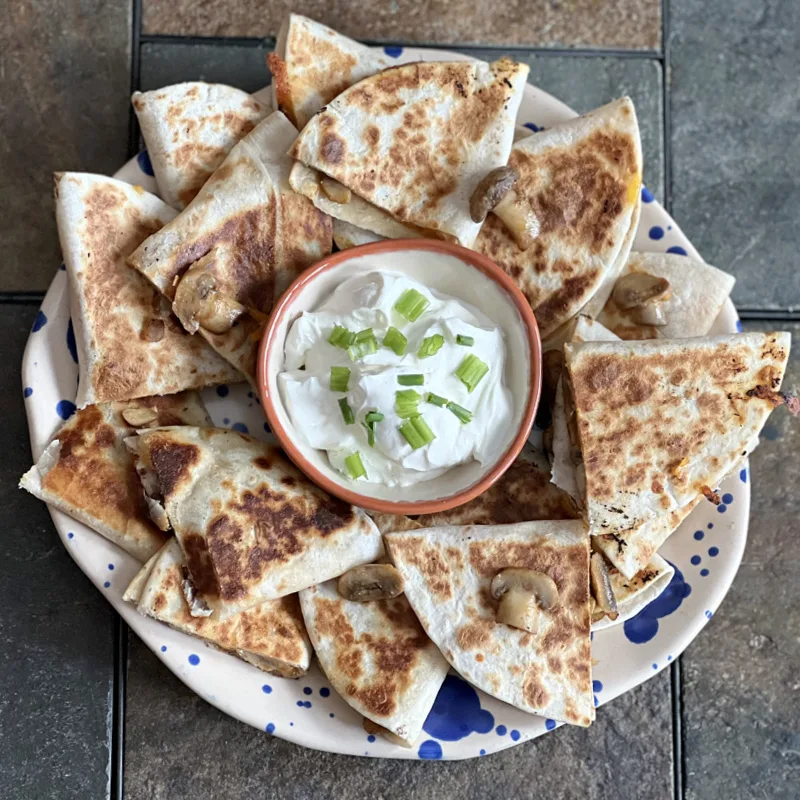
(706, 552)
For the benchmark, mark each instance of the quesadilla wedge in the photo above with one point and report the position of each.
(252, 526)
(237, 245)
(449, 574)
(574, 208)
(312, 64)
(416, 140)
(88, 473)
(377, 657)
(347, 235)
(270, 636)
(687, 295)
(188, 130)
(129, 344)
(661, 423)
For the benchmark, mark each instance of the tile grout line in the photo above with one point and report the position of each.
(136, 26)
(118, 709)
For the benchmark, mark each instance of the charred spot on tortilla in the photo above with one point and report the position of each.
(332, 148)
(172, 462)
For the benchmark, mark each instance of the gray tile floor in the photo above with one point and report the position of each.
(723, 724)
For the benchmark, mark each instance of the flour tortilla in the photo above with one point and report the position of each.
(347, 235)
(249, 230)
(415, 140)
(129, 344)
(582, 181)
(448, 572)
(377, 657)
(252, 527)
(88, 473)
(271, 636)
(188, 130)
(695, 298)
(312, 64)
(661, 423)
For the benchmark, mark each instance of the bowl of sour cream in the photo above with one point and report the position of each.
(402, 376)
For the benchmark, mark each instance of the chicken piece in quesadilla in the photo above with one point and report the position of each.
(312, 64)
(252, 526)
(188, 130)
(508, 606)
(237, 245)
(564, 230)
(660, 424)
(377, 656)
(88, 473)
(271, 636)
(129, 343)
(665, 296)
(414, 142)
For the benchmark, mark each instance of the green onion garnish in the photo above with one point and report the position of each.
(347, 412)
(431, 345)
(364, 344)
(355, 467)
(465, 415)
(471, 371)
(465, 341)
(340, 377)
(411, 305)
(416, 432)
(341, 337)
(369, 422)
(411, 380)
(435, 399)
(395, 341)
(406, 402)
(373, 416)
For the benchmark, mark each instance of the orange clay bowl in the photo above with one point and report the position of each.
(448, 269)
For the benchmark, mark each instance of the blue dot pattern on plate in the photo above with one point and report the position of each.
(704, 572)
(549, 724)
(111, 566)
(727, 498)
(501, 730)
(533, 126)
(71, 346)
(307, 690)
(743, 475)
(266, 688)
(143, 160)
(240, 427)
(655, 666)
(27, 391)
(331, 715)
(482, 752)
(597, 686)
(163, 648)
(713, 551)
(695, 560)
(63, 267)
(222, 390)
(644, 626)
(515, 735)
(370, 738)
(324, 691)
(39, 322)
(739, 326)
(70, 535)
(270, 727)
(457, 712)
(430, 750)
(393, 52)
(65, 409)
(304, 703)
(709, 615)
(194, 660)
(722, 508)
(647, 197)
(677, 250)
(699, 535)
(106, 585)
(656, 232)
(710, 525)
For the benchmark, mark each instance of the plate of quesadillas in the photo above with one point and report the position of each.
(586, 569)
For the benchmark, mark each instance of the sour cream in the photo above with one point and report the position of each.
(367, 301)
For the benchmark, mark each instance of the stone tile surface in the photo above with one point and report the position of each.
(64, 97)
(177, 746)
(56, 631)
(741, 689)
(628, 24)
(735, 108)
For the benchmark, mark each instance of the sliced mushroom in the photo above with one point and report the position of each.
(595, 612)
(370, 582)
(638, 288)
(154, 330)
(600, 582)
(139, 417)
(335, 191)
(373, 728)
(517, 216)
(522, 593)
(198, 303)
(552, 365)
(649, 314)
(490, 191)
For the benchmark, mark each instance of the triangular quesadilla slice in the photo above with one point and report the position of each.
(312, 64)
(377, 657)
(416, 140)
(251, 525)
(188, 129)
(129, 344)
(661, 423)
(681, 297)
(88, 473)
(568, 223)
(543, 567)
(238, 245)
(271, 636)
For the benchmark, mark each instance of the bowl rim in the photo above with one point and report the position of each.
(478, 261)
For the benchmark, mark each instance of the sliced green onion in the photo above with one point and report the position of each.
(347, 412)
(465, 341)
(416, 432)
(340, 377)
(471, 372)
(395, 341)
(436, 399)
(355, 467)
(369, 422)
(431, 345)
(406, 402)
(411, 380)
(364, 344)
(464, 414)
(373, 416)
(411, 305)
(341, 337)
